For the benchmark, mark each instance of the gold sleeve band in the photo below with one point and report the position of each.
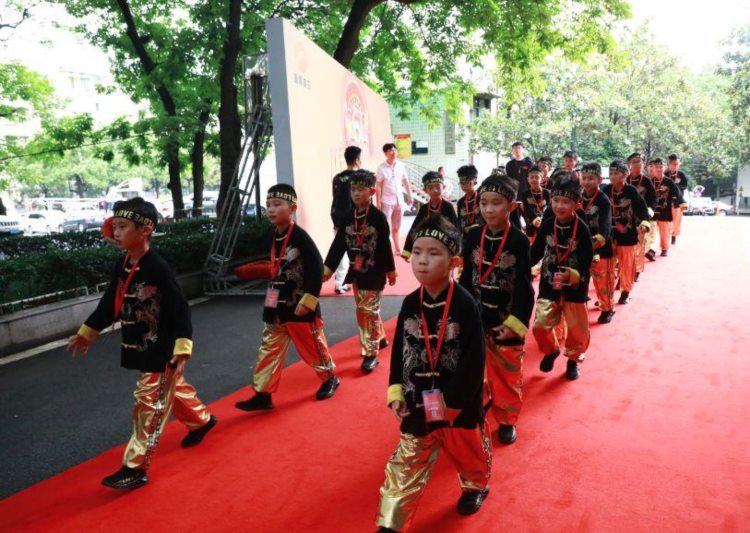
(516, 326)
(575, 276)
(309, 301)
(88, 333)
(395, 394)
(599, 240)
(405, 254)
(327, 272)
(645, 224)
(183, 346)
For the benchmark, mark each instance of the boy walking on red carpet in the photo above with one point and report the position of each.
(645, 188)
(364, 236)
(291, 311)
(564, 246)
(497, 273)
(156, 340)
(667, 195)
(534, 201)
(597, 213)
(629, 222)
(468, 206)
(680, 179)
(435, 383)
(434, 185)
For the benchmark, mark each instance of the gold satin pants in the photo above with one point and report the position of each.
(368, 321)
(626, 266)
(410, 468)
(676, 221)
(644, 241)
(157, 394)
(311, 344)
(665, 231)
(504, 368)
(603, 274)
(549, 314)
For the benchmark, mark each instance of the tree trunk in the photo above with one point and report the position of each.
(3, 209)
(175, 185)
(230, 127)
(196, 158)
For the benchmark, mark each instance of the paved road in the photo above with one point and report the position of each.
(56, 412)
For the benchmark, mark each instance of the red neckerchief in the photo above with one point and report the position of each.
(430, 210)
(483, 277)
(591, 202)
(561, 259)
(122, 288)
(432, 357)
(276, 262)
(471, 213)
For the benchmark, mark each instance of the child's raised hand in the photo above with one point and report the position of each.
(76, 343)
(399, 409)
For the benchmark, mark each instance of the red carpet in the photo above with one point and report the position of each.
(405, 282)
(654, 437)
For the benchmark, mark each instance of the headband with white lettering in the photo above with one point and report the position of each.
(450, 242)
(502, 190)
(135, 216)
(282, 195)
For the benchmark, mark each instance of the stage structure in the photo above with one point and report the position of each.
(317, 109)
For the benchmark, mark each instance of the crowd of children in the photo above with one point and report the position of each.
(458, 350)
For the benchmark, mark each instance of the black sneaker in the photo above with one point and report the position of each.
(507, 433)
(548, 361)
(343, 289)
(572, 372)
(651, 255)
(664, 253)
(471, 501)
(674, 240)
(126, 478)
(383, 343)
(369, 364)
(194, 438)
(260, 402)
(327, 388)
(624, 298)
(605, 317)
(637, 275)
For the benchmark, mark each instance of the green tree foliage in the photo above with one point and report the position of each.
(638, 98)
(736, 69)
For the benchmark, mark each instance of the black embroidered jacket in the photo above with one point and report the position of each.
(667, 195)
(628, 212)
(598, 217)
(546, 249)
(645, 188)
(377, 258)
(469, 215)
(155, 315)
(459, 372)
(533, 205)
(679, 178)
(506, 296)
(445, 209)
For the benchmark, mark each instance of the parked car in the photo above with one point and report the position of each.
(723, 209)
(83, 220)
(250, 210)
(701, 206)
(10, 226)
(43, 222)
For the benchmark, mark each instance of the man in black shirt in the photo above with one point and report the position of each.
(341, 205)
(518, 167)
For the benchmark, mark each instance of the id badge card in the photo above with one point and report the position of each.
(434, 406)
(359, 262)
(272, 297)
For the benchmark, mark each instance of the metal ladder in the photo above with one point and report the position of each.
(245, 184)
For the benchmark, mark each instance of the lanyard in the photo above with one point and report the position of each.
(430, 210)
(539, 205)
(640, 180)
(561, 259)
(276, 263)
(483, 277)
(359, 229)
(432, 357)
(471, 214)
(122, 288)
(591, 202)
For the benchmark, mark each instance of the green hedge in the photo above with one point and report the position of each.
(62, 262)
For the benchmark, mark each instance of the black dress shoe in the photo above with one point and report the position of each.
(624, 298)
(327, 388)
(507, 433)
(194, 438)
(664, 253)
(369, 364)
(674, 240)
(126, 478)
(548, 361)
(383, 343)
(471, 501)
(651, 255)
(260, 402)
(572, 372)
(605, 317)
(637, 275)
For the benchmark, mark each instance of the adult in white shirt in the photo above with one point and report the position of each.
(392, 181)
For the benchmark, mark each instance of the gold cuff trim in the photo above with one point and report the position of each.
(309, 301)
(327, 272)
(575, 277)
(405, 254)
(600, 240)
(183, 346)
(88, 333)
(645, 224)
(395, 393)
(516, 326)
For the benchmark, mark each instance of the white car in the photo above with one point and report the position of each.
(43, 222)
(10, 225)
